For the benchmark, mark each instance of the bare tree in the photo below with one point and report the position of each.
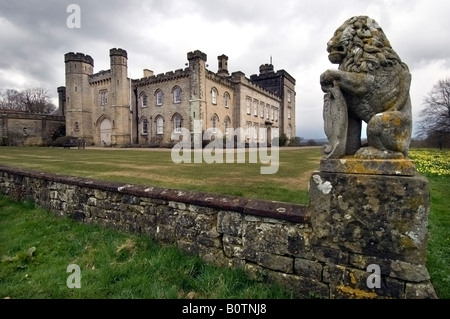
(434, 124)
(34, 100)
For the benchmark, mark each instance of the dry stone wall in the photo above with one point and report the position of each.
(274, 242)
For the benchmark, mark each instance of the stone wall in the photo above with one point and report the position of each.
(25, 129)
(324, 250)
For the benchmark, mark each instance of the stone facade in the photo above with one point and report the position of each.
(108, 108)
(324, 250)
(24, 129)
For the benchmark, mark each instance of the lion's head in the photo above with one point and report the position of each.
(360, 45)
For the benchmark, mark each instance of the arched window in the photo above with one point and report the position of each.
(144, 126)
(226, 99)
(176, 94)
(159, 97)
(214, 96)
(143, 99)
(76, 126)
(177, 123)
(227, 124)
(215, 123)
(159, 125)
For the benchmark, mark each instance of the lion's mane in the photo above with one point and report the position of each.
(368, 47)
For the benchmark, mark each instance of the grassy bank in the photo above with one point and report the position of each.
(37, 248)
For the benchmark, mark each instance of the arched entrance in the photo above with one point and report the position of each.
(105, 132)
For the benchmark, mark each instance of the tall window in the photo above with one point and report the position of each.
(177, 95)
(177, 123)
(289, 114)
(159, 125)
(261, 109)
(143, 98)
(255, 107)
(289, 131)
(227, 123)
(103, 97)
(226, 99)
(159, 97)
(214, 96)
(144, 126)
(215, 123)
(249, 105)
(276, 115)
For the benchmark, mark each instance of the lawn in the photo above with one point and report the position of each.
(156, 168)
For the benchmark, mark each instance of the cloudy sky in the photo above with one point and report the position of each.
(157, 34)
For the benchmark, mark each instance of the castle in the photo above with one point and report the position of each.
(108, 108)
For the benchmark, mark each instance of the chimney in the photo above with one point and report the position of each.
(223, 65)
(148, 73)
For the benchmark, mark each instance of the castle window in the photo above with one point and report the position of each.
(177, 120)
(227, 123)
(214, 96)
(289, 114)
(261, 110)
(159, 98)
(271, 113)
(276, 115)
(143, 99)
(289, 131)
(289, 97)
(159, 125)
(267, 111)
(255, 132)
(76, 126)
(249, 105)
(215, 122)
(226, 99)
(255, 107)
(144, 127)
(176, 95)
(103, 97)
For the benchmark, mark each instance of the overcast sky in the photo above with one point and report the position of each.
(157, 35)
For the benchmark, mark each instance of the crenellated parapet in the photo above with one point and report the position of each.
(78, 57)
(163, 77)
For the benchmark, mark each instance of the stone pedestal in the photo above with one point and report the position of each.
(374, 212)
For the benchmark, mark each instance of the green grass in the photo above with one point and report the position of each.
(113, 265)
(156, 168)
(435, 165)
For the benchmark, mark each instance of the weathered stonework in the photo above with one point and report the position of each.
(317, 251)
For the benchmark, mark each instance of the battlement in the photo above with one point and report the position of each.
(118, 51)
(168, 76)
(197, 54)
(78, 57)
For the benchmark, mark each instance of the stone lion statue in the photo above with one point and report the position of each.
(372, 85)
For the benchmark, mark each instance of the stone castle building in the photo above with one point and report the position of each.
(108, 108)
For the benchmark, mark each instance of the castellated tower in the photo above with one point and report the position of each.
(120, 99)
(197, 100)
(79, 121)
